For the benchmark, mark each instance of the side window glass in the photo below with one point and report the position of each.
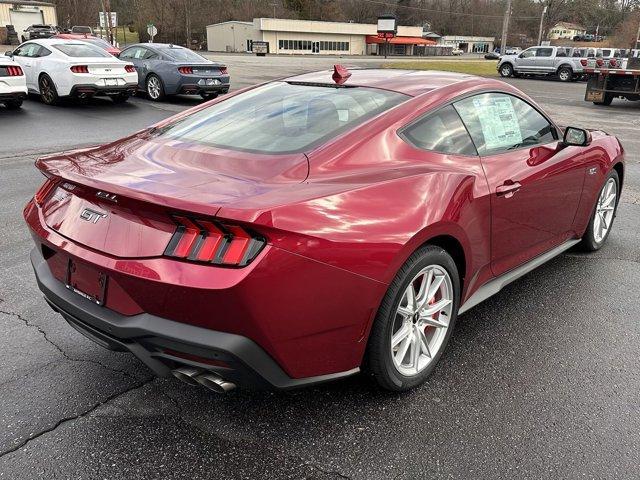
(27, 50)
(544, 52)
(139, 53)
(499, 122)
(43, 52)
(442, 131)
(531, 52)
(149, 55)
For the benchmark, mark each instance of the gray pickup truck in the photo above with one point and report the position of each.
(542, 61)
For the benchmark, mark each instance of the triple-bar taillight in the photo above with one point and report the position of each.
(14, 71)
(209, 241)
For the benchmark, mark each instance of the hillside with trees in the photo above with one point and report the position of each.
(179, 21)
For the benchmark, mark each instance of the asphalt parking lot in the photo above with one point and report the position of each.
(540, 381)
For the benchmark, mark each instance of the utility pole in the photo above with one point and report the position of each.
(108, 20)
(544, 10)
(505, 28)
(637, 45)
(187, 8)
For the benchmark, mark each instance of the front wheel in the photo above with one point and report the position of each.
(414, 321)
(506, 70)
(603, 214)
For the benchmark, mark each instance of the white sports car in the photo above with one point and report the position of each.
(13, 85)
(58, 68)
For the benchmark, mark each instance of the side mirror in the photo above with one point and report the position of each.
(8, 53)
(576, 137)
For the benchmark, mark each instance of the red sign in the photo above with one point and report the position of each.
(386, 35)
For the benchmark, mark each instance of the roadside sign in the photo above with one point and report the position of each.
(387, 24)
(260, 48)
(152, 30)
(103, 24)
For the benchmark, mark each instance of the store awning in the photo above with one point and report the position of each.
(401, 40)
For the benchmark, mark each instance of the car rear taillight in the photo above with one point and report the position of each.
(186, 70)
(130, 68)
(223, 70)
(613, 63)
(80, 69)
(599, 62)
(44, 191)
(210, 241)
(14, 71)
(584, 62)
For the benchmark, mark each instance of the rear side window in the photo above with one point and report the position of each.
(80, 50)
(545, 52)
(499, 122)
(282, 118)
(441, 132)
(183, 55)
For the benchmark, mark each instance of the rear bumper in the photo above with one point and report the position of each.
(8, 96)
(163, 344)
(96, 90)
(196, 84)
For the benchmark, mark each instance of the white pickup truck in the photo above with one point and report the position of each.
(542, 61)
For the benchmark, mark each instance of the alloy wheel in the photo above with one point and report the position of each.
(153, 87)
(605, 210)
(46, 90)
(422, 320)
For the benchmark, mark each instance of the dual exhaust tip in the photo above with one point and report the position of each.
(197, 376)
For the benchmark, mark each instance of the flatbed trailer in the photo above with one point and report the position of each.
(615, 78)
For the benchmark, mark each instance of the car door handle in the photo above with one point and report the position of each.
(508, 188)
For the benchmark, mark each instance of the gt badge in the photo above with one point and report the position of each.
(91, 215)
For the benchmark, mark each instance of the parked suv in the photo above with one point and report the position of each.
(542, 61)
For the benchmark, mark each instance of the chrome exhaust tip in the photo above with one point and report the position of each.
(215, 383)
(187, 374)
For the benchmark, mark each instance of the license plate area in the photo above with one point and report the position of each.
(111, 82)
(86, 281)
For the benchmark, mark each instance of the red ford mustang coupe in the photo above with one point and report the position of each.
(301, 230)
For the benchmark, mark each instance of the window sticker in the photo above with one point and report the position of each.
(498, 121)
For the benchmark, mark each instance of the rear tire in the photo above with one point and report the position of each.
(155, 88)
(506, 70)
(594, 238)
(565, 74)
(384, 361)
(13, 104)
(48, 92)
(608, 98)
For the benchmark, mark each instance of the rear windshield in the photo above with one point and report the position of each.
(182, 54)
(282, 118)
(98, 42)
(78, 50)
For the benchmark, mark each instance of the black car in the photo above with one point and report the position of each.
(492, 56)
(39, 31)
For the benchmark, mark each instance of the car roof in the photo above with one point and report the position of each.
(409, 82)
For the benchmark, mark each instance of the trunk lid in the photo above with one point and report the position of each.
(118, 198)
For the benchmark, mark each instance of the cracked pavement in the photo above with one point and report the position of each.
(541, 381)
